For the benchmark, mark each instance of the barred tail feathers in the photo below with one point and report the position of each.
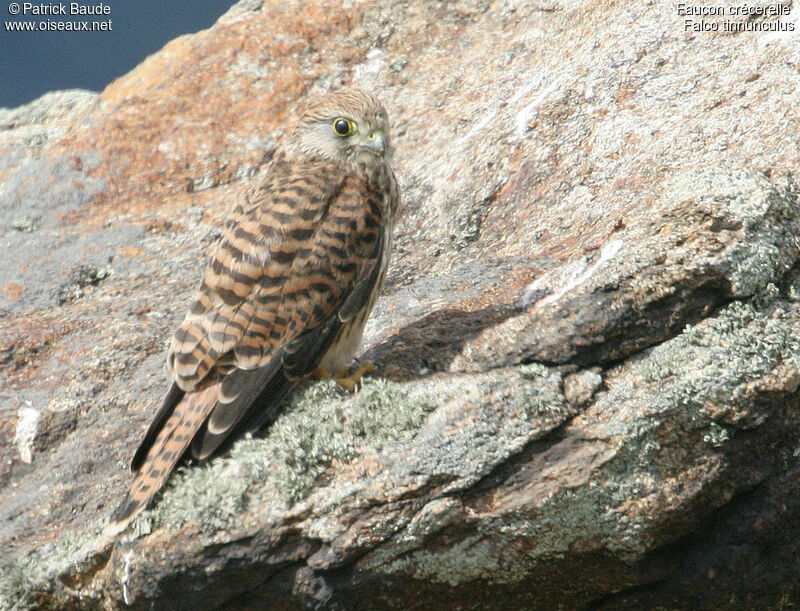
(167, 449)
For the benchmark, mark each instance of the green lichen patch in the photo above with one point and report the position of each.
(701, 388)
(19, 584)
(711, 361)
(385, 411)
(318, 426)
(304, 442)
(209, 496)
(467, 560)
(31, 579)
(716, 359)
(541, 395)
(765, 216)
(314, 433)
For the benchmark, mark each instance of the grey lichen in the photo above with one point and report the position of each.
(714, 358)
(716, 435)
(494, 553)
(747, 341)
(532, 371)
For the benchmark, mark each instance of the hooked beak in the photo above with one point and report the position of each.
(375, 142)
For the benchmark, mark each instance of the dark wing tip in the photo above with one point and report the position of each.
(123, 515)
(125, 511)
(256, 394)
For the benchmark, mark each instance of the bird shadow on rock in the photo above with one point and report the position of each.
(430, 344)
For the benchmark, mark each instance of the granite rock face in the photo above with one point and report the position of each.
(588, 349)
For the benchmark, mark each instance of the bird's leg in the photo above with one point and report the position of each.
(342, 378)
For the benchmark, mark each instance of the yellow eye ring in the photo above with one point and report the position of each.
(343, 127)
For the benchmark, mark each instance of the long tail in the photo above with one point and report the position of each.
(167, 449)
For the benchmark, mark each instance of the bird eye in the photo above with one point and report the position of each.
(343, 127)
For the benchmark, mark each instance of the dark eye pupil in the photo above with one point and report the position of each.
(341, 127)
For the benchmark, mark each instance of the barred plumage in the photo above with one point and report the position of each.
(289, 288)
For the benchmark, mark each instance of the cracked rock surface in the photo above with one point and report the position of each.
(588, 349)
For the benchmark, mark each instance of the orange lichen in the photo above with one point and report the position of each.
(13, 290)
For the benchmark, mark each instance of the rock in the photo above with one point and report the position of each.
(588, 347)
(580, 387)
(82, 276)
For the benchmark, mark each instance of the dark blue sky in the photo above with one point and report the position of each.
(32, 63)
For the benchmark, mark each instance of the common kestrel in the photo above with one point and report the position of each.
(287, 291)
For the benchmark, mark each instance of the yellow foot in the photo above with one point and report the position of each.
(349, 381)
(342, 378)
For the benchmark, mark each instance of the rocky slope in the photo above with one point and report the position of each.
(588, 350)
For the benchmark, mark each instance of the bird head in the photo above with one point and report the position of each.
(349, 127)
